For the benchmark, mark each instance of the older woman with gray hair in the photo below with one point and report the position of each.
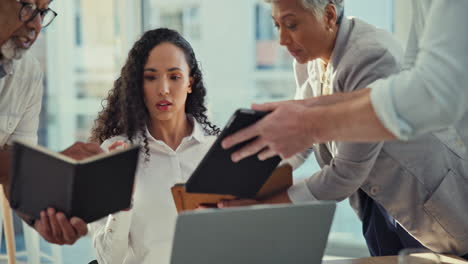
(394, 187)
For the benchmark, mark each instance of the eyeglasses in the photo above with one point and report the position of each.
(29, 11)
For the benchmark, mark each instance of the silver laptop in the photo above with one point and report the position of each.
(257, 234)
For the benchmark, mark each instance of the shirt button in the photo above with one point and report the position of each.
(374, 190)
(109, 230)
(10, 125)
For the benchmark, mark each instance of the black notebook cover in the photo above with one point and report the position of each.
(217, 174)
(89, 189)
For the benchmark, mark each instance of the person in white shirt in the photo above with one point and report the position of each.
(21, 91)
(158, 102)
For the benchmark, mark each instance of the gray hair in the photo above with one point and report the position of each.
(318, 6)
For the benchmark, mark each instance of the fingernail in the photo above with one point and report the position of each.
(74, 221)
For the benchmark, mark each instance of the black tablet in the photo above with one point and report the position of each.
(218, 174)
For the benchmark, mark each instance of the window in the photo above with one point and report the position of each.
(84, 51)
(183, 18)
(269, 54)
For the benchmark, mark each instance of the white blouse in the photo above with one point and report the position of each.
(144, 233)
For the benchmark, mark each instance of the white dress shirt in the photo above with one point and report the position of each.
(20, 100)
(144, 233)
(432, 93)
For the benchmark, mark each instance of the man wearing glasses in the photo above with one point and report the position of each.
(20, 104)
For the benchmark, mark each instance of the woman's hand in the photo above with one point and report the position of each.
(81, 150)
(118, 145)
(55, 228)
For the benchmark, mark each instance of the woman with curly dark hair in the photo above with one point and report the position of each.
(158, 102)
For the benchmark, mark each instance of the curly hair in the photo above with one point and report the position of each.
(124, 111)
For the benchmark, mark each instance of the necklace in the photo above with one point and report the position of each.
(325, 79)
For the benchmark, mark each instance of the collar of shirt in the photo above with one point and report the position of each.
(198, 135)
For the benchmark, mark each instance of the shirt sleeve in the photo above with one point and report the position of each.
(111, 238)
(345, 174)
(297, 160)
(432, 94)
(108, 142)
(27, 127)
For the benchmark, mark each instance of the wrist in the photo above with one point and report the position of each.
(316, 123)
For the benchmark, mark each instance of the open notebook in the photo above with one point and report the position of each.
(89, 189)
